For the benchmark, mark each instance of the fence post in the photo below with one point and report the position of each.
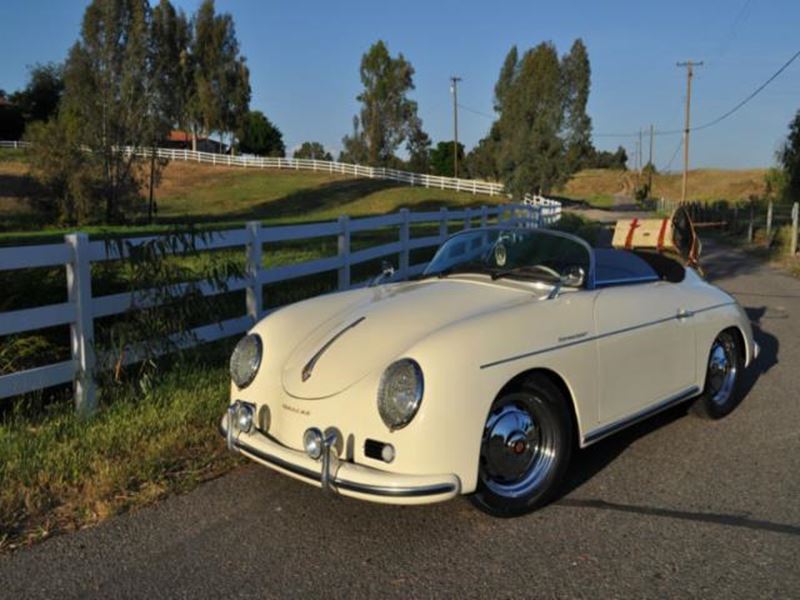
(255, 291)
(405, 238)
(343, 248)
(793, 244)
(751, 224)
(443, 223)
(79, 293)
(484, 216)
(769, 220)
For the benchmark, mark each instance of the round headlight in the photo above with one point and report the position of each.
(245, 360)
(400, 393)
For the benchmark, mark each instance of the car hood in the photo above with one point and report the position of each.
(380, 325)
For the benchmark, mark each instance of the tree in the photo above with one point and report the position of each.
(508, 72)
(220, 93)
(61, 168)
(775, 184)
(418, 146)
(257, 135)
(355, 145)
(107, 103)
(40, 98)
(172, 75)
(576, 72)
(543, 133)
(789, 159)
(605, 159)
(531, 117)
(313, 150)
(388, 117)
(442, 158)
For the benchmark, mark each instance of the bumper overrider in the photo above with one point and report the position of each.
(334, 475)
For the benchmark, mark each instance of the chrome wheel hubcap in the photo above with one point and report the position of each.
(519, 446)
(721, 370)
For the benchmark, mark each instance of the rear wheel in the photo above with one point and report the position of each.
(725, 364)
(525, 450)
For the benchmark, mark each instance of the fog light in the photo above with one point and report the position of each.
(243, 417)
(387, 453)
(312, 442)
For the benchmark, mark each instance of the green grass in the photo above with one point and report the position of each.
(601, 201)
(59, 472)
(13, 155)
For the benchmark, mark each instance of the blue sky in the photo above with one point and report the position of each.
(304, 60)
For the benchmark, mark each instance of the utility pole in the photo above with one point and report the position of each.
(641, 153)
(689, 74)
(651, 166)
(454, 88)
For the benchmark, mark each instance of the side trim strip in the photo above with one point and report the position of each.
(598, 337)
(343, 484)
(606, 430)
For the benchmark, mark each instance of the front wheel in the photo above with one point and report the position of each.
(725, 364)
(525, 450)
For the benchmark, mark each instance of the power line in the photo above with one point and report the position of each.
(477, 112)
(722, 117)
(752, 95)
(731, 34)
(674, 154)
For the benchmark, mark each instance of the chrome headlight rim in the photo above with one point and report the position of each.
(419, 391)
(254, 368)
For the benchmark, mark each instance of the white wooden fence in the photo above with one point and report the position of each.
(551, 208)
(80, 310)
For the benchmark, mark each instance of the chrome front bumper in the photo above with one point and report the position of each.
(345, 478)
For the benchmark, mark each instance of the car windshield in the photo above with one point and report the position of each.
(519, 253)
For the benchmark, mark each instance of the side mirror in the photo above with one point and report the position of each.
(387, 270)
(573, 277)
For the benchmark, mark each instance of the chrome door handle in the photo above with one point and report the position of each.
(684, 314)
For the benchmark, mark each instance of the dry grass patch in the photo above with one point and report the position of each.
(704, 184)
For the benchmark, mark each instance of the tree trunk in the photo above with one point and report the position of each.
(152, 184)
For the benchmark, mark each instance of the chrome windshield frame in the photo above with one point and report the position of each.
(589, 284)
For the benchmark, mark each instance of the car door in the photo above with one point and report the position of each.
(645, 346)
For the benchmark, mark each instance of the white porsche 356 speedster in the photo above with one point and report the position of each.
(481, 376)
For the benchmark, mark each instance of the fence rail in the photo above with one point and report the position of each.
(551, 208)
(77, 253)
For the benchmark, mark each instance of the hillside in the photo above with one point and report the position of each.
(189, 192)
(599, 186)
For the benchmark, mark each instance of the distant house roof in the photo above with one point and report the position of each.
(179, 136)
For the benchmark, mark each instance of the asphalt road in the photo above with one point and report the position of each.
(674, 507)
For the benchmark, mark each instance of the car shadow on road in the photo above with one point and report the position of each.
(590, 461)
(701, 517)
